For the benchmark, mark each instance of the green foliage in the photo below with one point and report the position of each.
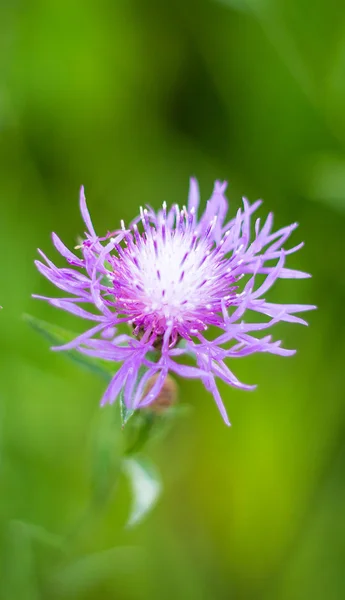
(57, 336)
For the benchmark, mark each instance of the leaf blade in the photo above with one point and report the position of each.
(146, 487)
(57, 336)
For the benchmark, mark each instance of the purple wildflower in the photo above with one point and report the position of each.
(170, 276)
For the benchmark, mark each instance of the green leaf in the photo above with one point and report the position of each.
(125, 412)
(57, 336)
(146, 487)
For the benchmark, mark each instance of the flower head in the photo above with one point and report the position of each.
(170, 275)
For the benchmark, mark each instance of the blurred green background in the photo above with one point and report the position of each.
(130, 98)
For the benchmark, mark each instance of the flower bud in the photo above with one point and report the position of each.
(167, 396)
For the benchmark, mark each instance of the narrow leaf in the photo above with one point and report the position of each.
(146, 487)
(125, 412)
(57, 335)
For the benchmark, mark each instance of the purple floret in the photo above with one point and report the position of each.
(170, 276)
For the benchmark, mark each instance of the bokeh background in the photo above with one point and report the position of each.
(130, 98)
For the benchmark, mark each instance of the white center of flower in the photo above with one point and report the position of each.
(171, 274)
(173, 278)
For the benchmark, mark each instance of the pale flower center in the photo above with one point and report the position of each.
(175, 277)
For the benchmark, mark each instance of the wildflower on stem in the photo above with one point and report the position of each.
(171, 275)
